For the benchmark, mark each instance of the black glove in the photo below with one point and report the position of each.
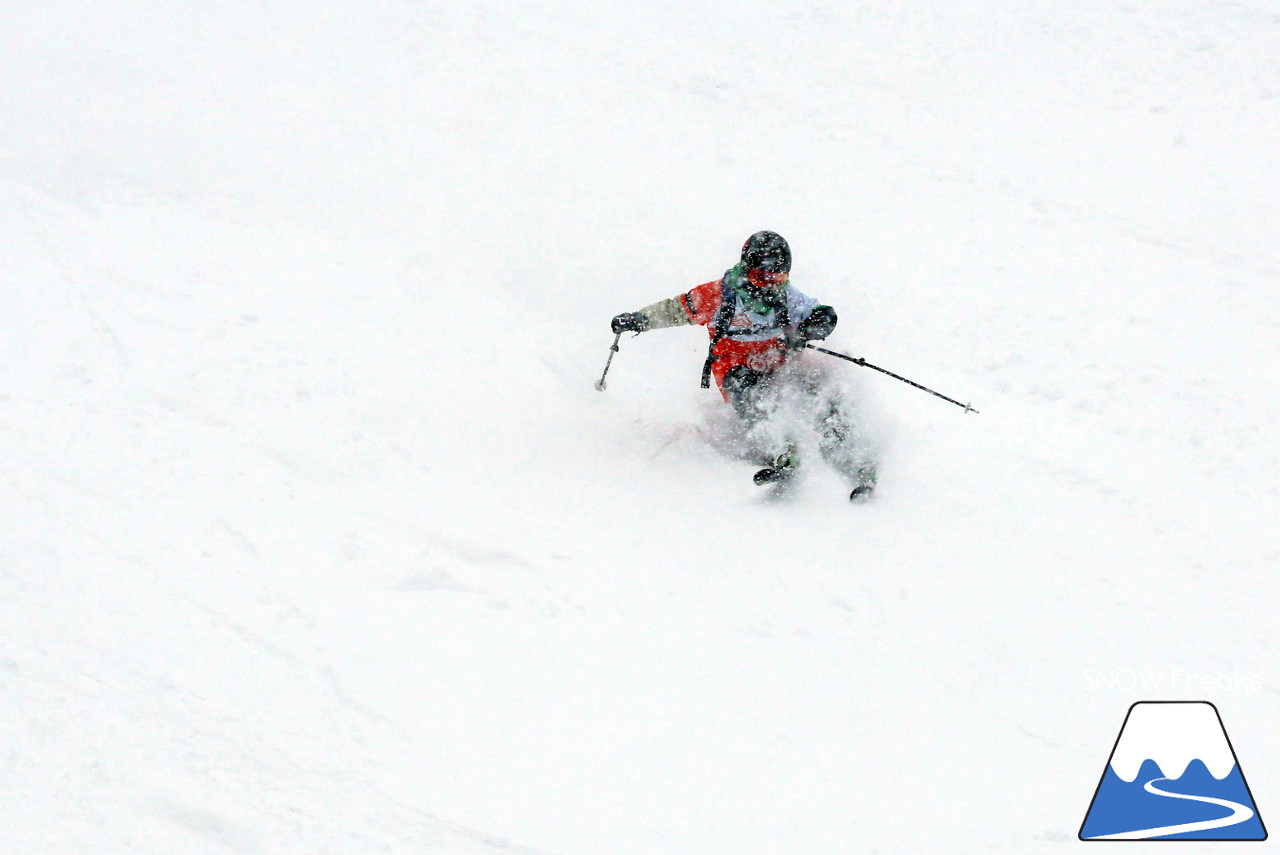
(818, 325)
(795, 339)
(629, 322)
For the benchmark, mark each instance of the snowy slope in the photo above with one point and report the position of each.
(316, 537)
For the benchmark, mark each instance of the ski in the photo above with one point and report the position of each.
(770, 475)
(781, 469)
(784, 467)
(864, 489)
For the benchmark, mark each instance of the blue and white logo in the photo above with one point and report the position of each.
(1173, 775)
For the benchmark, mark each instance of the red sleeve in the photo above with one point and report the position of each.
(702, 302)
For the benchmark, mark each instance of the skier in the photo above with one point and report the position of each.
(758, 323)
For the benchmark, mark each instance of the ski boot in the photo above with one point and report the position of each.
(782, 468)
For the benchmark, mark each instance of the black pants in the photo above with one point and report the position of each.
(755, 394)
(749, 392)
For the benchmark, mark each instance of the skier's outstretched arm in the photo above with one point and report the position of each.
(662, 314)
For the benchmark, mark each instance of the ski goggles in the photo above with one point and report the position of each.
(762, 278)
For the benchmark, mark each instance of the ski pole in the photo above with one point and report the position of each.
(968, 408)
(600, 384)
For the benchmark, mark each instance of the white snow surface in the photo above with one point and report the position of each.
(1172, 734)
(315, 536)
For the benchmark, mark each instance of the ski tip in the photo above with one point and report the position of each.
(862, 493)
(766, 476)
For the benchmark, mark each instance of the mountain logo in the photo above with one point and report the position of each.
(1173, 775)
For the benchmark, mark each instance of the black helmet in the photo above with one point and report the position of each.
(767, 251)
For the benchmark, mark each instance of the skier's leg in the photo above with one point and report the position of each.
(754, 396)
(843, 448)
(746, 391)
